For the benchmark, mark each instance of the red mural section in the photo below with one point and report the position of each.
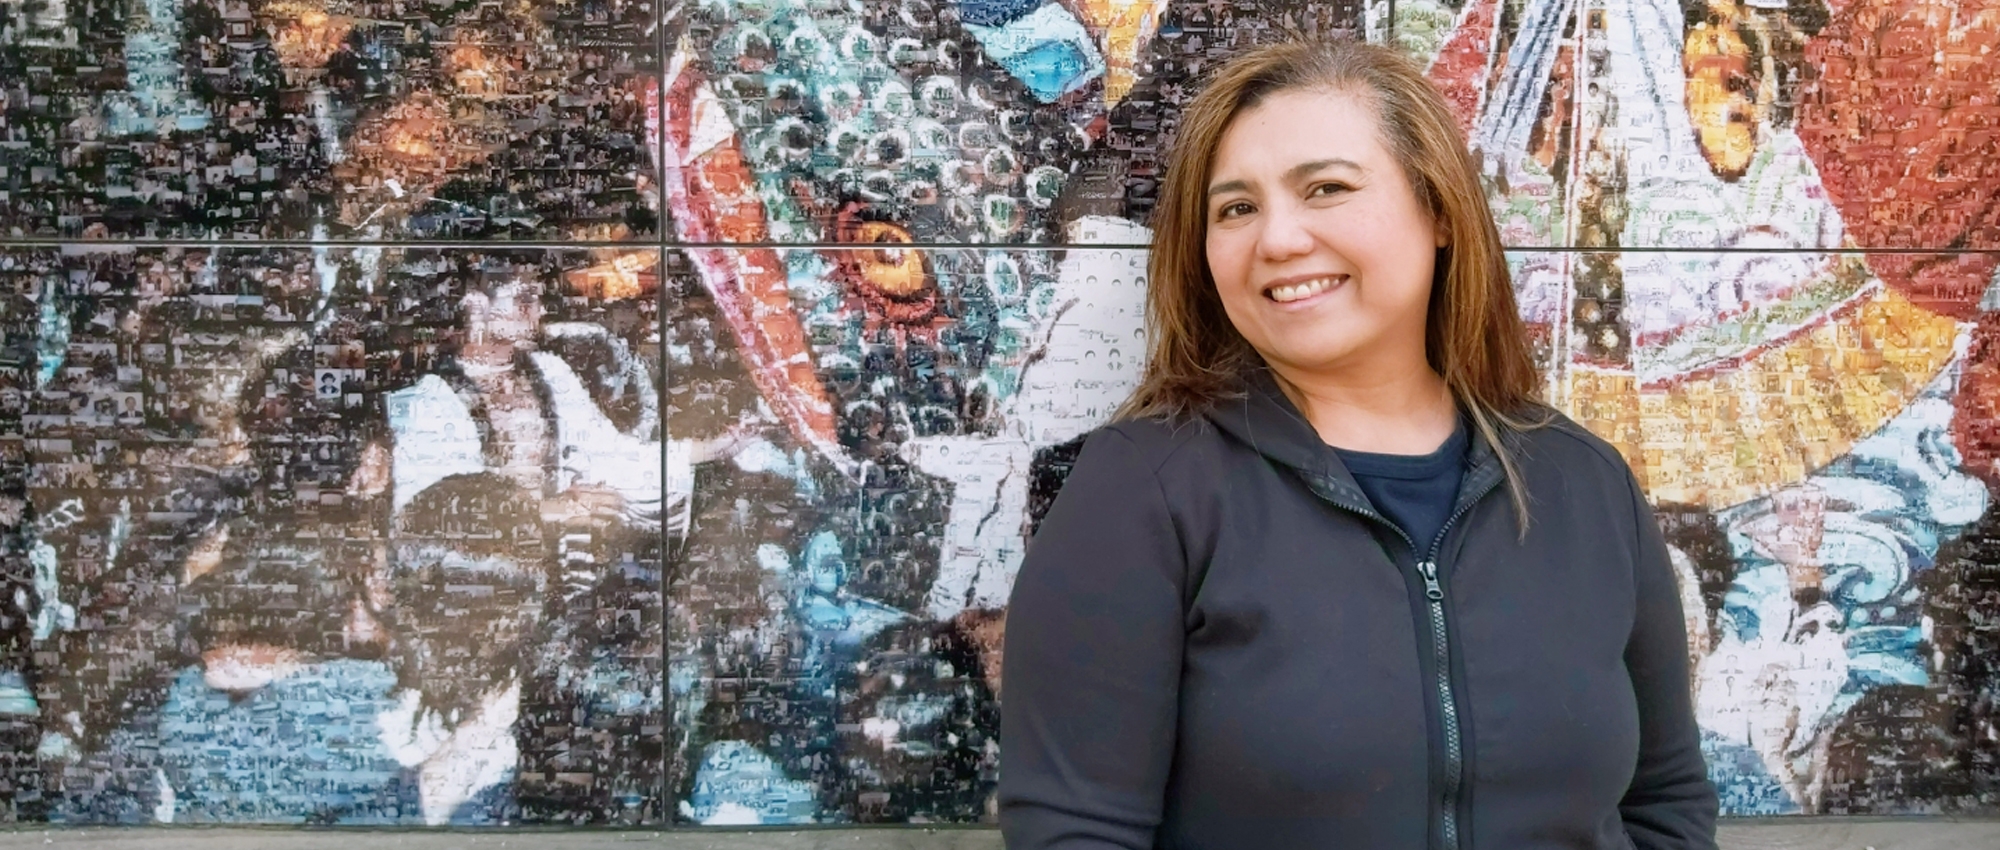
(1902, 117)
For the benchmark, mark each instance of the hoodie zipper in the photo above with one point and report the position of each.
(1446, 693)
(1454, 749)
(1454, 744)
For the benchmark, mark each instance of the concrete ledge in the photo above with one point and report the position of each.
(1777, 834)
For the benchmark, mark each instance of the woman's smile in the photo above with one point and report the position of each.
(1300, 292)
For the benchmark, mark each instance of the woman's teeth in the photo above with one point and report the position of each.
(1302, 291)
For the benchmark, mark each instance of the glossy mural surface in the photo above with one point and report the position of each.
(599, 412)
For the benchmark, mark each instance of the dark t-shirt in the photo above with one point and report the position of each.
(1415, 492)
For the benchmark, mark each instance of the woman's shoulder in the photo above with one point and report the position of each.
(1569, 447)
(1177, 470)
(1155, 443)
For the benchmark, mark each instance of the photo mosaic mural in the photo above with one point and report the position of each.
(613, 412)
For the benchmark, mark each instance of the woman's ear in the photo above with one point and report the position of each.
(1443, 233)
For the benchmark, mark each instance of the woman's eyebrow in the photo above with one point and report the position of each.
(1229, 186)
(1305, 169)
(1292, 175)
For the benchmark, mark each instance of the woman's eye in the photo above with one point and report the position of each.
(1324, 189)
(1233, 210)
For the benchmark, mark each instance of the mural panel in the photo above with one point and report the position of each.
(337, 526)
(837, 614)
(334, 535)
(294, 119)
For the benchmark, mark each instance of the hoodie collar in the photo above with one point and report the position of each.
(1264, 418)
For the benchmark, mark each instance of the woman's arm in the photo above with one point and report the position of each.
(1671, 805)
(1090, 686)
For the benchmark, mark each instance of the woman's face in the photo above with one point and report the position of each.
(1319, 248)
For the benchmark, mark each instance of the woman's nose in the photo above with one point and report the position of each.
(1283, 235)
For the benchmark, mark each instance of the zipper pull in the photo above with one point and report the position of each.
(1429, 570)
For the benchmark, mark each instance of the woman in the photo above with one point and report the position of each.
(1335, 578)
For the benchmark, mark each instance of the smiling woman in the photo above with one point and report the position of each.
(1313, 619)
(1368, 162)
(1305, 171)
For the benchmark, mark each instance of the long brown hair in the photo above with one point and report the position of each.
(1473, 336)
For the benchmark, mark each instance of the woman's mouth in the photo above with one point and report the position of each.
(1290, 293)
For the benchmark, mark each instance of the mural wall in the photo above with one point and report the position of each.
(607, 412)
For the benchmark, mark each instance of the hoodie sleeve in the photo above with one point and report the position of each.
(1671, 804)
(1090, 685)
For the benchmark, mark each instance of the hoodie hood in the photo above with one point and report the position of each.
(1265, 419)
